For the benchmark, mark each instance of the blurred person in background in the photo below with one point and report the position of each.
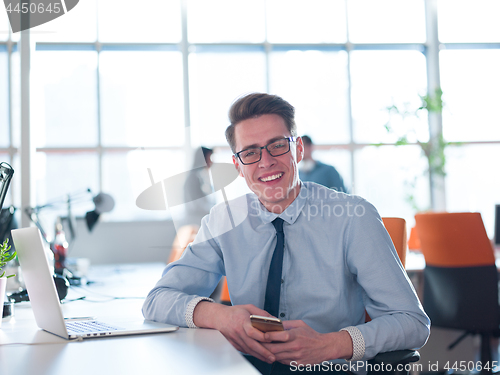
(316, 171)
(198, 188)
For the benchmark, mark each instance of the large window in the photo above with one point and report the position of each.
(121, 93)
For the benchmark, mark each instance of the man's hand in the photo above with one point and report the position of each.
(234, 323)
(303, 345)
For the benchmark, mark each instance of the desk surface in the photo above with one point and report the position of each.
(187, 351)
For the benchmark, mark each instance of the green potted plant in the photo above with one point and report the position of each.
(5, 257)
(433, 149)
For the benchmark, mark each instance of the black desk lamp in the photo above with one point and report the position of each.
(103, 203)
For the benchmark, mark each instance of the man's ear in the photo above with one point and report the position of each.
(237, 165)
(300, 149)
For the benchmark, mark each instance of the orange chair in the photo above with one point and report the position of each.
(460, 277)
(414, 241)
(224, 295)
(396, 227)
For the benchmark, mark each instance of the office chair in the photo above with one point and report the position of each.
(396, 227)
(224, 295)
(460, 277)
(414, 241)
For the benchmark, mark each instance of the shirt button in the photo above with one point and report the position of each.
(282, 281)
(282, 315)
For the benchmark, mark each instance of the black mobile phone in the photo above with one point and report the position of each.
(266, 324)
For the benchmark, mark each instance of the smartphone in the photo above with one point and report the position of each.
(266, 324)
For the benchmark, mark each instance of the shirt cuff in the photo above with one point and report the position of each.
(358, 343)
(190, 310)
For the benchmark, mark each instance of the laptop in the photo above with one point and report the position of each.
(45, 301)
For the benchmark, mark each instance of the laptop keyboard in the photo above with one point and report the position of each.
(89, 326)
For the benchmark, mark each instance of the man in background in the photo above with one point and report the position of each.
(316, 171)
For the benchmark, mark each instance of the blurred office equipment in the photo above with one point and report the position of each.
(60, 241)
(460, 277)
(6, 173)
(6, 217)
(7, 221)
(7, 214)
(102, 203)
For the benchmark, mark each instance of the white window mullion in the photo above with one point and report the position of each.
(437, 182)
(26, 149)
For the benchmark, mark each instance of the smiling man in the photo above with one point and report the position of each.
(312, 256)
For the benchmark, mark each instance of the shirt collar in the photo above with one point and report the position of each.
(291, 213)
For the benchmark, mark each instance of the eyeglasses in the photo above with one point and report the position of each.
(254, 154)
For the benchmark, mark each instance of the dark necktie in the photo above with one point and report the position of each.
(272, 300)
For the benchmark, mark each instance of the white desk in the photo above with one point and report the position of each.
(187, 351)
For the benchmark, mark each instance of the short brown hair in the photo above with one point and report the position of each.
(255, 105)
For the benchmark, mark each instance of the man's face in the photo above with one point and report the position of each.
(274, 178)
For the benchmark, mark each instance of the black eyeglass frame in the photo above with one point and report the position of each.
(289, 139)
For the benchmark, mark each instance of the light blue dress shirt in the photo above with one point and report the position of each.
(338, 260)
